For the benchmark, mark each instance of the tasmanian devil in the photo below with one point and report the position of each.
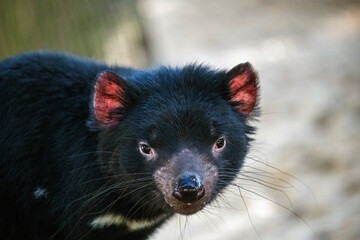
(91, 151)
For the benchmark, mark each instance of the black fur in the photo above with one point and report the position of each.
(60, 168)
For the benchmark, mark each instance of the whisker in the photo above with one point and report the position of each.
(140, 207)
(279, 204)
(116, 176)
(287, 174)
(248, 214)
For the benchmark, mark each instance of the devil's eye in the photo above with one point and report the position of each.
(220, 144)
(145, 149)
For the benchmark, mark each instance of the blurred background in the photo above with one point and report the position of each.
(302, 177)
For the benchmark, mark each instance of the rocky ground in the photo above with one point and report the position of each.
(303, 171)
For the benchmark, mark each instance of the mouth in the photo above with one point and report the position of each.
(187, 208)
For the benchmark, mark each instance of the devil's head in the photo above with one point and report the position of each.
(183, 132)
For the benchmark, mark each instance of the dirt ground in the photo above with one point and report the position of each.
(303, 173)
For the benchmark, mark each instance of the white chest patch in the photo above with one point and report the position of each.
(109, 219)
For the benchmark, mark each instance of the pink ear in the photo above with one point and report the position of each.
(109, 94)
(243, 87)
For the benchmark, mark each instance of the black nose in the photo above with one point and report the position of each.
(188, 188)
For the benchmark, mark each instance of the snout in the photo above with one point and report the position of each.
(188, 188)
(187, 182)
